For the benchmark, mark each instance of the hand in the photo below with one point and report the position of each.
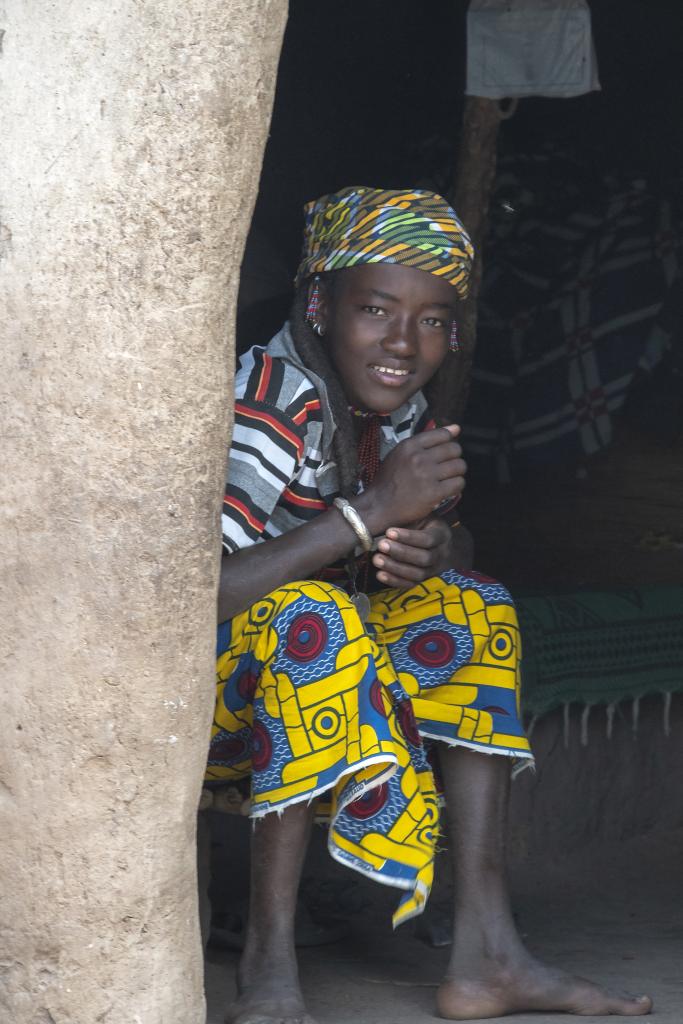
(417, 476)
(409, 556)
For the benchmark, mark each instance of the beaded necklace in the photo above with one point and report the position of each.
(368, 443)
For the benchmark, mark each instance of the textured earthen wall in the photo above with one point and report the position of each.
(131, 144)
(595, 784)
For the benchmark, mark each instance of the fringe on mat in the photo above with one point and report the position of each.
(610, 717)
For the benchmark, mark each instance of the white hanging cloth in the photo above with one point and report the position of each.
(530, 48)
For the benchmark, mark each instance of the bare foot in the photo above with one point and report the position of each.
(494, 989)
(268, 990)
(256, 1007)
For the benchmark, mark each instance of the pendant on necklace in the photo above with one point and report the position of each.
(361, 603)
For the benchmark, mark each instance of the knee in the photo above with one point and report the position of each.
(491, 591)
(314, 620)
(316, 592)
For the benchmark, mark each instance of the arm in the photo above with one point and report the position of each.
(417, 475)
(253, 572)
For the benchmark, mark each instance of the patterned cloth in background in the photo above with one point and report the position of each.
(413, 228)
(576, 274)
(310, 701)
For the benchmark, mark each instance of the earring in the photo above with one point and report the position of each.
(313, 302)
(454, 344)
(312, 308)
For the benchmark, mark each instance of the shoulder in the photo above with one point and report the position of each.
(276, 406)
(273, 382)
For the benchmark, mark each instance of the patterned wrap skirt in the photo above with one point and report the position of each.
(310, 701)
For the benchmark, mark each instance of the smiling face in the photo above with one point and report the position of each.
(387, 331)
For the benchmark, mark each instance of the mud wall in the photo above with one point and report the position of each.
(131, 146)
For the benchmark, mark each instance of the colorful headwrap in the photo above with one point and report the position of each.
(414, 228)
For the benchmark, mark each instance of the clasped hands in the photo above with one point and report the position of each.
(421, 473)
(405, 556)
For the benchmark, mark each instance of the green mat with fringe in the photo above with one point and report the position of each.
(600, 647)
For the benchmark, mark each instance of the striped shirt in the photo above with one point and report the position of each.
(281, 471)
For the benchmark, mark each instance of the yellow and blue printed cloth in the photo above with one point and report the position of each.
(311, 700)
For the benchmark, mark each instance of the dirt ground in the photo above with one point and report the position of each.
(613, 912)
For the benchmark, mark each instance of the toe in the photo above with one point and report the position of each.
(633, 1006)
(617, 1006)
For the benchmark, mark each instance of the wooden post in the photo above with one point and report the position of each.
(470, 197)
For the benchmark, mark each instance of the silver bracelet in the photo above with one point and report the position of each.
(355, 522)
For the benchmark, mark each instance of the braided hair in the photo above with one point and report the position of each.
(313, 354)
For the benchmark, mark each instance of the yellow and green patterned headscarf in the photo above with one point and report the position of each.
(414, 227)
